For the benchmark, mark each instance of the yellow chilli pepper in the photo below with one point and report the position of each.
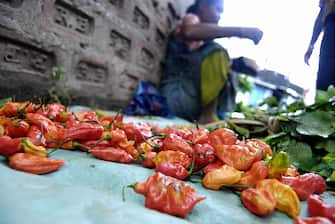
(286, 198)
(226, 175)
(28, 147)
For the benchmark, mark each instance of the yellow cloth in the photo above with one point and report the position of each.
(214, 72)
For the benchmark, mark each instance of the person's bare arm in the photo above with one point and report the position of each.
(206, 31)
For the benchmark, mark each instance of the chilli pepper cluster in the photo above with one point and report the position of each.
(266, 182)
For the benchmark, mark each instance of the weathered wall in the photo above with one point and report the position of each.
(104, 46)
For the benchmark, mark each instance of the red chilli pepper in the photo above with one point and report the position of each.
(148, 159)
(200, 136)
(176, 143)
(36, 137)
(87, 115)
(83, 131)
(305, 185)
(49, 128)
(173, 170)
(213, 166)
(317, 207)
(9, 146)
(112, 154)
(13, 109)
(51, 111)
(205, 154)
(34, 164)
(137, 131)
(16, 128)
(84, 145)
(312, 220)
(168, 195)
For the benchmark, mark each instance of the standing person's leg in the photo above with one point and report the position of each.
(326, 73)
(214, 72)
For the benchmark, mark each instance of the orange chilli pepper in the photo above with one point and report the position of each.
(260, 148)
(238, 156)
(34, 164)
(222, 136)
(226, 175)
(258, 202)
(258, 171)
(168, 195)
(172, 157)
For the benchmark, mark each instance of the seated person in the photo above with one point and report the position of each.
(196, 68)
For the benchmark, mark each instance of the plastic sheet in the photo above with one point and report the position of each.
(87, 190)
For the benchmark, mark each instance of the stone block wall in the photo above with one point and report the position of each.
(103, 46)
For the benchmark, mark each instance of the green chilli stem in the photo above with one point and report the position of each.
(124, 190)
(196, 181)
(193, 163)
(236, 186)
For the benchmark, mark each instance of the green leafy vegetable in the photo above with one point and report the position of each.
(318, 123)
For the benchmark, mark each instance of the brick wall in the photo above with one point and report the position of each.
(103, 46)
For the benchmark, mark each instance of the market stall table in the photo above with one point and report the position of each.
(87, 190)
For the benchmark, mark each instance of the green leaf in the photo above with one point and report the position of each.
(318, 123)
(322, 169)
(332, 177)
(245, 84)
(329, 159)
(274, 137)
(328, 145)
(323, 97)
(298, 105)
(300, 154)
(271, 101)
(243, 131)
(57, 73)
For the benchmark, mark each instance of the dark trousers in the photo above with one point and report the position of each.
(326, 73)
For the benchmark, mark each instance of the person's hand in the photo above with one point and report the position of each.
(253, 34)
(308, 54)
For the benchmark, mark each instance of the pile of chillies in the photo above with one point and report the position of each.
(29, 133)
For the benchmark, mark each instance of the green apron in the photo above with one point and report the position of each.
(193, 78)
